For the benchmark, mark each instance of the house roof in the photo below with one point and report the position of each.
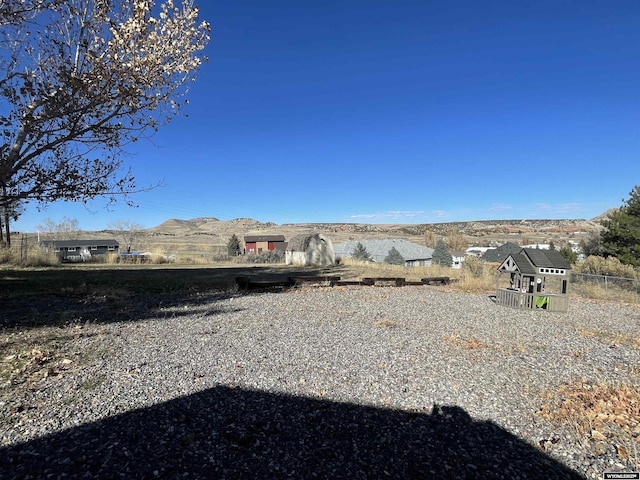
(263, 238)
(500, 253)
(81, 243)
(379, 249)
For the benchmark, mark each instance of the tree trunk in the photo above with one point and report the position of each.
(4, 220)
(7, 230)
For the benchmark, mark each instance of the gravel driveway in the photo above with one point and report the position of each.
(343, 382)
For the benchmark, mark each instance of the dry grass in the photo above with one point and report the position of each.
(41, 354)
(600, 415)
(471, 344)
(33, 257)
(479, 280)
(475, 344)
(611, 338)
(600, 292)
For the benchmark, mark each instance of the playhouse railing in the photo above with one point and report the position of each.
(552, 302)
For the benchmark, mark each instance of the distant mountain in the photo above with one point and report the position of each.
(223, 229)
(603, 215)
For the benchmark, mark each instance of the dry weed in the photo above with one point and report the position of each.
(600, 414)
(471, 344)
(611, 338)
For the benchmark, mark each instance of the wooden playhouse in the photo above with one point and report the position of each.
(534, 278)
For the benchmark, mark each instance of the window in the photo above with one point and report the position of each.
(56, 249)
(94, 247)
(111, 248)
(71, 249)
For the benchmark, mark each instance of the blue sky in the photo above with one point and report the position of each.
(396, 112)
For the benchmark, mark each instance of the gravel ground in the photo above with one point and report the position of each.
(357, 382)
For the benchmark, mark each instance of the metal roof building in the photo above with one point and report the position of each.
(413, 254)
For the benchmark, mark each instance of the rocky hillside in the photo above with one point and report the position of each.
(214, 231)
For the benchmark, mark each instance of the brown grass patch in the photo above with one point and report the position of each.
(472, 344)
(475, 344)
(611, 338)
(600, 414)
(387, 323)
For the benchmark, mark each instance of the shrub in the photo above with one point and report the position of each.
(441, 254)
(233, 246)
(568, 253)
(360, 253)
(272, 256)
(33, 257)
(394, 257)
(609, 266)
(474, 265)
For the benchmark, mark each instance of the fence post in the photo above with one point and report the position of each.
(23, 248)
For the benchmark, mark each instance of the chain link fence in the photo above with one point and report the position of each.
(605, 287)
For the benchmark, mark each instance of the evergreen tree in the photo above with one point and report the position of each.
(621, 234)
(552, 246)
(360, 253)
(233, 246)
(568, 253)
(441, 254)
(394, 257)
(592, 245)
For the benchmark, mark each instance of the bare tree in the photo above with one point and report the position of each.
(66, 229)
(79, 80)
(430, 238)
(456, 241)
(129, 232)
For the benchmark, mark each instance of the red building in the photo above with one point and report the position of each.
(263, 243)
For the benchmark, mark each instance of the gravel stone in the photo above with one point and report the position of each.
(357, 382)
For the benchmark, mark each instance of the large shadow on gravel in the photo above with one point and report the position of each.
(59, 297)
(233, 433)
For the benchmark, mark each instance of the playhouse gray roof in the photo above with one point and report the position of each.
(546, 258)
(379, 249)
(529, 260)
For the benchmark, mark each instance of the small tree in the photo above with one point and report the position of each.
(441, 254)
(129, 232)
(456, 241)
(621, 234)
(360, 253)
(233, 246)
(66, 229)
(568, 253)
(394, 257)
(430, 238)
(592, 245)
(81, 79)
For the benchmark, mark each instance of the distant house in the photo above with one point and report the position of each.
(256, 244)
(80, 250)
(457, 259)
(497, 255)
(310, 250)
(413, 254)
